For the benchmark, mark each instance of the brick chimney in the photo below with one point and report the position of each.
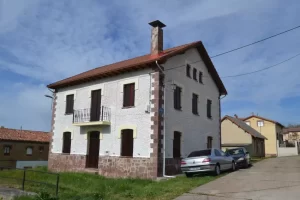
(157, 37)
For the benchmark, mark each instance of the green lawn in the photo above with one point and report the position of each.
(82, 186)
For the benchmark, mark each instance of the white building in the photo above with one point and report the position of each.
(111, 120)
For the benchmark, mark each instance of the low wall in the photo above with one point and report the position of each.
(287, 151)
(22, 164)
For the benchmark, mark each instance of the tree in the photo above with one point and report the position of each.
(293, 125)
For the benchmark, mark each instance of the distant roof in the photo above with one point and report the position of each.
(140, 63)
(262, 118)
(24, 135)
(241, 124)
(294, 129)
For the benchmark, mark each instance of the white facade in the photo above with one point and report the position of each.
(112, 96)
(194, 128)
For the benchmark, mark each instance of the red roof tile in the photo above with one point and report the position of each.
(24, 135)
(139, 63)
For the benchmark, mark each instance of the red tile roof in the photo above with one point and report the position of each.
(24, 135)
(292, 129)
(139, 63)
(262, 118)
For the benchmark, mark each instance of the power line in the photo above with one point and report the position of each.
(247, 45)
(263, 68)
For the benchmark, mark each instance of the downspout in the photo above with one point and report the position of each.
(164, 139)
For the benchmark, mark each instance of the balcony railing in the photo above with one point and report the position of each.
(84, 116)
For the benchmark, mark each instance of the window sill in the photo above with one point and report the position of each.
(127, 107)
(68, 113)
(210, 118)
(178, 109)
(197, 114)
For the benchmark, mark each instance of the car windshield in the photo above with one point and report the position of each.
(235, 151)
(206, 152)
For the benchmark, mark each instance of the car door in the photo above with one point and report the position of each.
(227, 159)
(220, 159)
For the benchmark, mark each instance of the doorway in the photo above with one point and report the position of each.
(93, 150)
(95, 105)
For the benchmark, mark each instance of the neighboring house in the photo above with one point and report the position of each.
(291, 134)
(111, 120)
(270, 129)
(236, 133)
(23, 148)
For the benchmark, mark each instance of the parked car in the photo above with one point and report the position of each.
(208, 160)
(241, 156)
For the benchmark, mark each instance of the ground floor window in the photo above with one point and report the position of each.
(209, 142)
(127, 142)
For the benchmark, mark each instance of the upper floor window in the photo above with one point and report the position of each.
(195, 104)
(127, 142)
(7, 150)
(195, 74)
(177, 145)
(128, 95)
(69, 104)
(66, 142)
(188, 70)
(208, 107)
(209, 142)
(248, 123)
(177, 98)
(29, 151)
(260, 123)
(200, 77)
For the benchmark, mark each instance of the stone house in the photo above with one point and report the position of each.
(23, 148)
(291, 134)
(236, 133)
(138, 117)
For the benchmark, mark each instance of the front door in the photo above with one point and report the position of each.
(93, 150)
(95, 105)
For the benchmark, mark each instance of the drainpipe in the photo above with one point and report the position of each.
(164, 143)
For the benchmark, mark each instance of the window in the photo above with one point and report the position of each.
(69, 103)
(200, 77)
(195, 74)
(248, 123)
(128, 96)
(66, 142)
(217, 153)
(177, 145)
(195, 104)
(7, 150)
(29, 151)
(127, 142)
(206, 152)
(208, 107)
(260, 123)
(188, 70)
(41, 149)
(209, 142)
(177, 98)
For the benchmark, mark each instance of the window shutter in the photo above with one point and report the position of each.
(188, 70)
(127, 142)
(200, 77)
(129, 95)
(195, 74)
(66, 142)
(69, 103)
(195, 104)
(209, 102)
(177, 145)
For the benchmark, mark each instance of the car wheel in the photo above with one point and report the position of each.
(217, 170)
(233, 168)
(246, 164)
(189, 175)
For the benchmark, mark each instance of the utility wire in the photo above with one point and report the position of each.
(247, 45)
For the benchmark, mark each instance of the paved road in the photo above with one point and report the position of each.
(270, 179)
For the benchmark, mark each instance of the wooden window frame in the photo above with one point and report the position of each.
(69, 104)
(127, 151)
(209, 109)
(188, 70)
(200, 77)
(128, 95)
(209, 142)
(66, 149)
(177, 150)
(195, 74)
(195, 98)
(9, 149)
(31, 147)
(177, 98)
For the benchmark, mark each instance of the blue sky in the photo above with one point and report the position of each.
(45, 41)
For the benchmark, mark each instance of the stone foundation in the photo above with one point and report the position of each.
(108, 166)
(173, 166)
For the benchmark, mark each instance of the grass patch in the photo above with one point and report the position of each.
(83, 186)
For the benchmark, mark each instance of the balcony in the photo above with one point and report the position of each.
(89, 117)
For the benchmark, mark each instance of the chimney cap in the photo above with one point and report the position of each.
(157, 23)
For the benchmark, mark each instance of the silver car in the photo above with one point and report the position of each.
(208, 160)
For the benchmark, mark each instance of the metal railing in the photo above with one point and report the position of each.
(24, 179)
(84, 115)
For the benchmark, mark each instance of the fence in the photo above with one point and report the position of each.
(22, 176)
(287, 150)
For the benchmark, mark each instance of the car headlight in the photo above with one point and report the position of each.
(241, 159)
